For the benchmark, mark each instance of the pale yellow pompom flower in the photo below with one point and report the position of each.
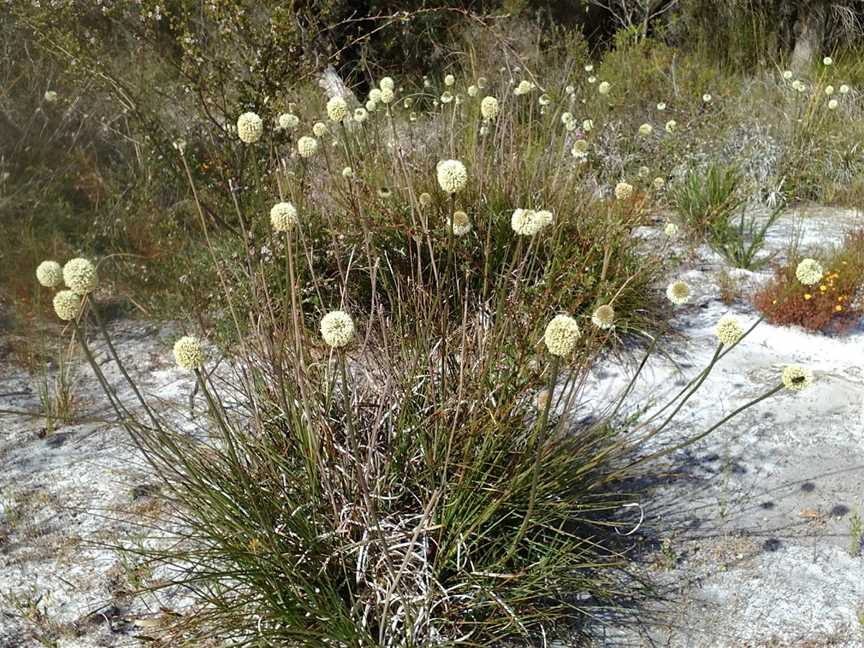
(671, 230)
(459, 223)
(473, 91)
(449, 80)
(425, 199)
(307, 146)
(658, 183)
(678, 293)
(50, 96)
(250, 128)
(360, 115)
(337, 329)
(188, 353)
(829, 89)
(603, 317)
(489, 108)
(287, 121)
(337, 109)
(67, 305)
(49, 274)
(525, 222)
(604, 87)
(728, 330)
(623, 190)
(347, 172)
(80, 276)
(587, 125)
(645, 130)
(452, 176)
(523, 88)
(387, 95)
(544, 217)
(827, 61)
(386, 84)
(283, 216)
(319, 129)
(579, 149)
(707, 98)
(844, 89)
(561, 335)
(809, 272)
(832, 104)
(375, 95)
(671, 126)
(796, 377)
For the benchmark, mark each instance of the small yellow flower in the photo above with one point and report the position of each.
(807, 297)
(838, 308)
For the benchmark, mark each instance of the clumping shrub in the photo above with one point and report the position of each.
(390, 456)
(831, 304)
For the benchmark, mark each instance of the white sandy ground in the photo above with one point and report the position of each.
(754, 521)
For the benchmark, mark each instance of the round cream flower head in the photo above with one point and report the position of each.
(526, 222)
(544, 217)
(80, 276)
(50, 96)
(523, 88)
(386, 84)
(250, 128)
(188, 353)
(347, 172)
(287, 121)
(473, 91)
(67, 304)
(588, 67)
(592, 79)
(425, 199)
(544, 100)
(337, 109)
(459, 223)
(671, 230)
(337, 328)
(678, 293)
(827, 61)
(787, 74)
(446, 97)
(832, 104)
(580, 148)
(728, 330)
(387, 95)
(844, 89)
(706, 97)
(623, 190)
(371, 106)
(661, 106)
(604, 87)
(809, 272)
(452, 176)
(307, 146)
(283, 216)
(658, 183)
(360, 115)
(449, 80)
(375, 95)
(671, 125)
(49, 274)
(319, 129)
(489, 108)
(829, 89)
(603, 317)
(561, 335)
(796, 377)
(587, 125)
(646, 129)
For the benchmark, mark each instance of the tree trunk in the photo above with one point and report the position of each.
(809, 30)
